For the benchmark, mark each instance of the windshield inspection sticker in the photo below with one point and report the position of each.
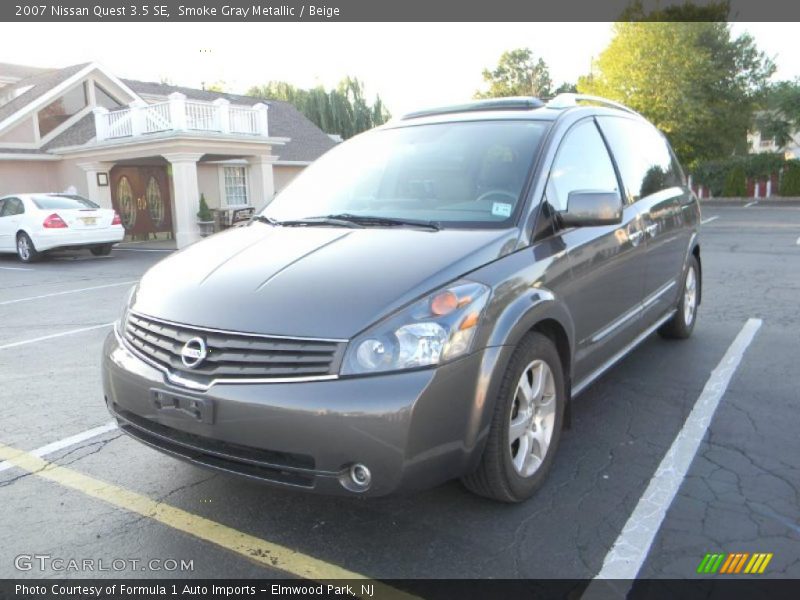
(501, 209)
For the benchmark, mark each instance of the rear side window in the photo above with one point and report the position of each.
(582, 163)
(11, 207)
(643, 156)
(56, 202)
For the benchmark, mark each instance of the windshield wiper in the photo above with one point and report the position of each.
(367, 220)
(349, 220)
(263, 219)
(311, 221)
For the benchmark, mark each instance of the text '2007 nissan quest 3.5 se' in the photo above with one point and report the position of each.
(420, 304)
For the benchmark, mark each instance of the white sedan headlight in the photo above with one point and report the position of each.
(433, 330)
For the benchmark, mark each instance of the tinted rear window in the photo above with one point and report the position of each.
(56, 202)
(643, 156)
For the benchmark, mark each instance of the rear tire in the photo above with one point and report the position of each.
(26, 251)
(681, 325)
(514, 465)
(101, 250)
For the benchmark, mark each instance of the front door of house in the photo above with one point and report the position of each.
(141, 197)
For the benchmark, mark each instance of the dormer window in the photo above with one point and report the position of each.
(63, 108)
(104, 99)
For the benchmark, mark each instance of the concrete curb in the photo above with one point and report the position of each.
(740, 202)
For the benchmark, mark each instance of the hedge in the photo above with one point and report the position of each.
(725, 176)
(790, 182)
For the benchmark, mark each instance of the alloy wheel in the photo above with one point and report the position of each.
(23, 248)
(533, 414)
(690, 297)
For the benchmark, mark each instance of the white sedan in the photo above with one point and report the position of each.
(31, 224)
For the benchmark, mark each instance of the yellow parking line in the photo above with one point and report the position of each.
(261, 551)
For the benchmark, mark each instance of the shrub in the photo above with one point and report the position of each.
(715, 174)
(790, 182)
(735, 183)
(204, 214)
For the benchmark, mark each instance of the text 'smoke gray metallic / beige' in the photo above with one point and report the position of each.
(420, 304)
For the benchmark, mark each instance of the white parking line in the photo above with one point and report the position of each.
(797, 242)
(72, 440)
(143, 250)
(630, 550)
(709, 219)
(96, 287)
(749, 204)
(15, 269)
(55, 335)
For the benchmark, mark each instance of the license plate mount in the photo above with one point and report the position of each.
(189, 407)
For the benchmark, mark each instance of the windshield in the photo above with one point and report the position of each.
(56, 202)
(458, 174)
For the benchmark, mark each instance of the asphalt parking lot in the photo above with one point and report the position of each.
(117, 499)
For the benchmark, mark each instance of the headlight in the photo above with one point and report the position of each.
(433, 330)
(130, 298)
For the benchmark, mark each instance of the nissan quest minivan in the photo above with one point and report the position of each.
(423, 303)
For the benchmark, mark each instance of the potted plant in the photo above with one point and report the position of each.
(205, 218)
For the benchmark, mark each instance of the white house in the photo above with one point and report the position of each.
(147, 149)
(758, 144)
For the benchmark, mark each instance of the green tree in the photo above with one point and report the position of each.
(566, 88)
(778, 116)
(343, 110)
(217, 86)
(694, 80)
(517, 74)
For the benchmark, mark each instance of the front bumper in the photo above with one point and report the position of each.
(63, 238)
(412, 430)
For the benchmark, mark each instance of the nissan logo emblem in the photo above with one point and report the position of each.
(194, 352)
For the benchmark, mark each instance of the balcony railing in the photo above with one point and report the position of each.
(180, 114)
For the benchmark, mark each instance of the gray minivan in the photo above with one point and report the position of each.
(422, 303)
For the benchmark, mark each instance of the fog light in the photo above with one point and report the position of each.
(360, 476)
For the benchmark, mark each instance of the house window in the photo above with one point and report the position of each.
(104, 99)
(235, 186)
(60, 110)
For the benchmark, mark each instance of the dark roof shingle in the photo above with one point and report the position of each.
(40, 84)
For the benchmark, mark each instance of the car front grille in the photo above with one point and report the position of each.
(232, 356)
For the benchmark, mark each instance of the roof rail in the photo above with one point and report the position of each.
(569, 100)
(511, 103)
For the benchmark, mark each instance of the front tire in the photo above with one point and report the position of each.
(526, 426)
(681, 325)
(101, 250)
(26, 251)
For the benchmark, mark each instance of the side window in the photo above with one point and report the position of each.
(643, 157)
(582, 163)
(14, 206)
(10, 207)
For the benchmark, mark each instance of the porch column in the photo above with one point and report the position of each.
(101, 194)
(262, 180)
(186, 197)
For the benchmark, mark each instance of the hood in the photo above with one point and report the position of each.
(324, 282)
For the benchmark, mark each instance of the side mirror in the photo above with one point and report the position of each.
(591, 208)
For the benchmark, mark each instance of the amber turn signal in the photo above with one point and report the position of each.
(444, 303)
